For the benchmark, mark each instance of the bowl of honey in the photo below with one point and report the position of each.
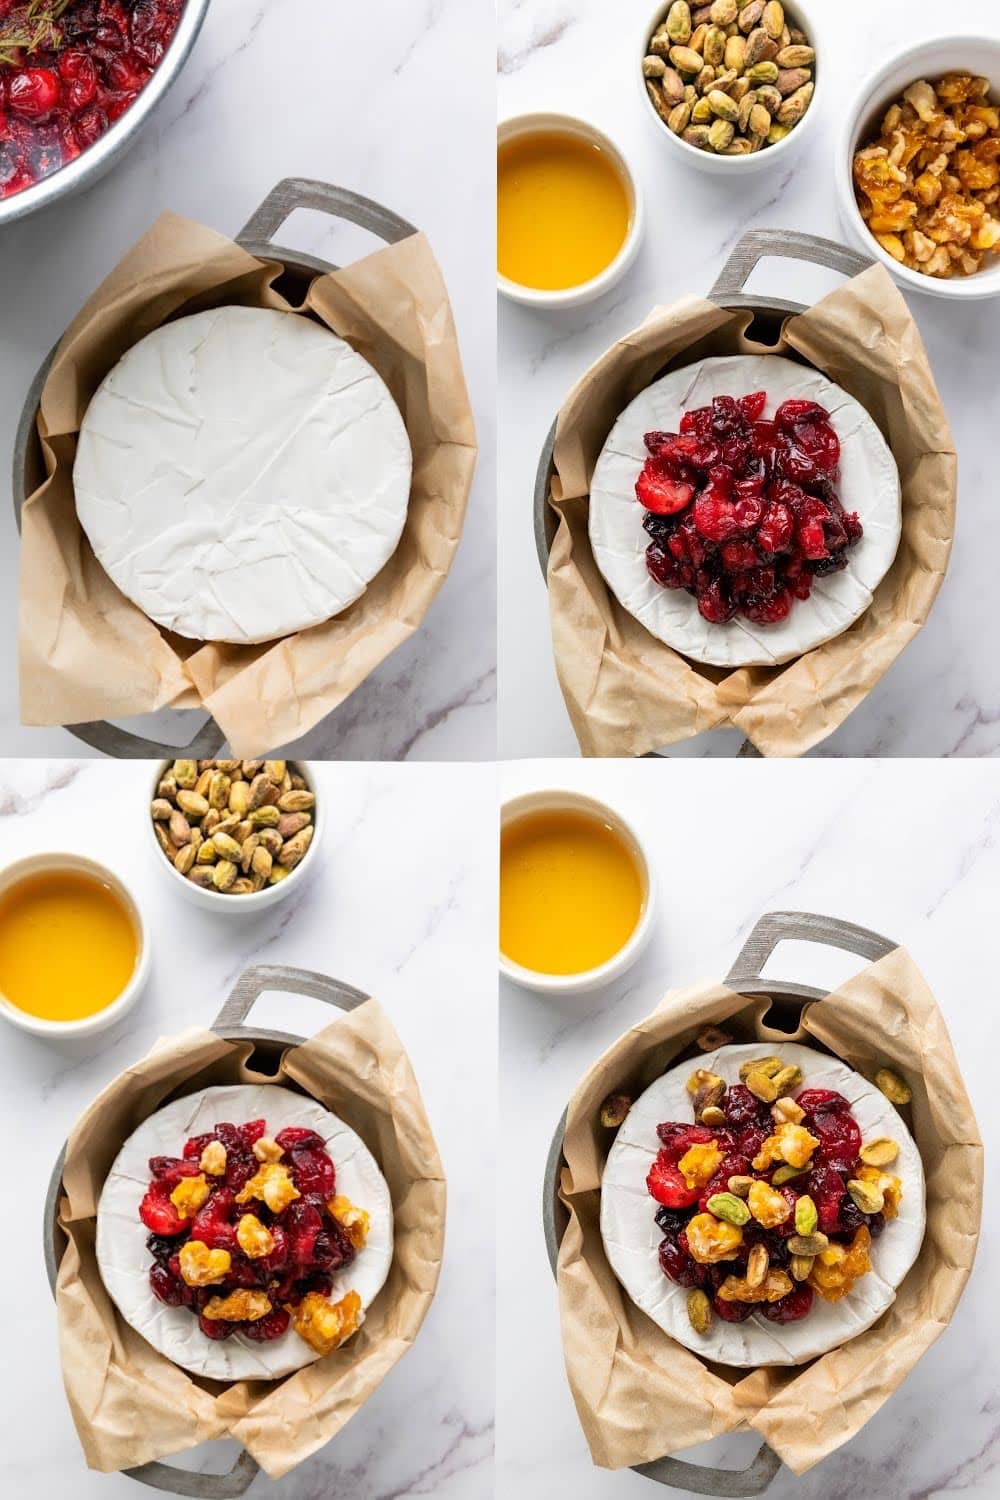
(73, 949)
(569, 211)
(577, 894)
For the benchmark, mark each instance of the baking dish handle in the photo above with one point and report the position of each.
(305, 192)
(804, 927)
(121, 744)
(263, 977)
(788, 244)
(204, 1486)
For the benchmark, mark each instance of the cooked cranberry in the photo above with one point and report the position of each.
(676, 1138)
(33, 93)
(666, 1184)
(158, 1213)
(825, 1101)
(670, 1220)
(733, 1165)
(791, 1308)
(768, 609)
(302, 1225)
(753, 406)
(298, 1137)
(167, 1288)
(742, 1109)
(732, 1312)
(274, 1326)
(714, 604)
(677, 1262)
(214, 1328)
(827, 1190)
(839, 1136)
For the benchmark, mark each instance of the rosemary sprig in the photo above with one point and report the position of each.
(29, 28)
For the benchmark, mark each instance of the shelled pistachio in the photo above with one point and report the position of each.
(233, 826)
(729, 80)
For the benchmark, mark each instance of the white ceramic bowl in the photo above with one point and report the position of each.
(555, 799)
(799, 14)
(254, 901)
(62, 861)
(587, 291)
(979, 55)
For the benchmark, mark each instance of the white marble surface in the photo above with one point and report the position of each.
(394, 101)
(403, 905)
(942, 698)
(908, 850)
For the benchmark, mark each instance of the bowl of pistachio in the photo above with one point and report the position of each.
(730, 87)
(235, 834)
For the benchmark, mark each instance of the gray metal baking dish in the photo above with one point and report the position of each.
(299, 271)
(268, 1047)
(788, 1000)
(769, 313)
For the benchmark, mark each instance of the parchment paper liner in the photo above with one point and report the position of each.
(87, 652)
(626, 692)
(640, 1395)
(129, 1403)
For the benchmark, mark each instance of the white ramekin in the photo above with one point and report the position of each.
(61, 861)
(254, 901)
(587, 291)
(978, 55)
(798, 14)
(555, 799)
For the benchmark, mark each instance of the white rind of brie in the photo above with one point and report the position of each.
(124, 1262)
(242, 474)
(632, 1239)
(868, 483)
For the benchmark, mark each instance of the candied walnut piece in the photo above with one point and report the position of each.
(838, 1267)
(267, 1150)
(354, 1221)
(324, 1325)
(711, 1240)
(190, 1194)
(241, 1306)
(253, 1237)
(271, 1184)
(791, 1143)
(768, 1207)
(774, 1286)
(700, 1163)
(201, 1266)
(890, 1185)
(213, 1159)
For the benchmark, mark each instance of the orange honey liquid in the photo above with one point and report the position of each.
(68, 946)
(571, 892)
(563, 210)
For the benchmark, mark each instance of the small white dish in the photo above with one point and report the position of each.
(587, 291)
(63, 861)
(556, 799)
(978, 55)
(254, 901)
(798, 14)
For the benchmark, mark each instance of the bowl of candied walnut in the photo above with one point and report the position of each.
(918, 170)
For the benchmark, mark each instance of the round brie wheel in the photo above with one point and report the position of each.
(242, 474)
(868, 484)
(632, 1238)
(124, 1261)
